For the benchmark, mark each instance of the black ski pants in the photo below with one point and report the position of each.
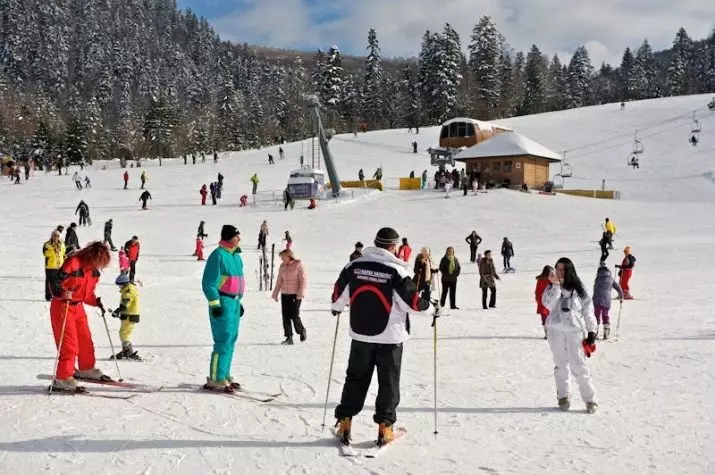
(82, 219)
(144, 204)
(290, 307)
(451, 289)
(473, 253)
(132, 270)
(50, 275)
(108, 240)
(604, 253)
(364, 358)
(507, 262)
(492, 299)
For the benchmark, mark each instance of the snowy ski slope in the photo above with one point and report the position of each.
(496, 391)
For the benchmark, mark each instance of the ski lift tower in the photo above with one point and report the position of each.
(314, 104)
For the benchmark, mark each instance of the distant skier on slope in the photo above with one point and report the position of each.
(625, 272)
(83, 210)
(146, 196)
(474, 240)
(377, 332)
(507, 252)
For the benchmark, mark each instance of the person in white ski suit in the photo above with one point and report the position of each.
(571, 321)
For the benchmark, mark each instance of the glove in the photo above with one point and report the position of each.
(100, 305)
(242, 310)
(618, 266)
(335, 313)
(216, 312)
(591, 338)
(589, 344)
(115, 313)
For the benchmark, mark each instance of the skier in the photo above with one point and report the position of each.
(193, 158)
(71, 239)
(377, 332)
(487, 280)
(145, 196)
(128, 313)
(199, 251)
(223, 285)
(291, 283)
(132, 248)
(215, 156)
(203, 192)
(73, 287)
(474, 240)
(83, 211)
(143, 178)
(77, 180)
(405, 251)
(186, 159)
(108, 234)
(281, 154)
(604, 247)
(244, 201)
(87, 182)
(424, 272)
(570, 316)
(54, 253)
(255, 180)
(412, 174)
(424, 179)
(357, 253)
(448, 186)
(414, 147)
(610, 228)
(200, 232)
(378, 174)
(126, 179)
(262, 235)
(450, 269)
(361, 175)
(203, 157)
(625, 272)
(212, 189)
(602, 297)
(507, 252)
(270, 160)
(286, 199)
(123, 262)
(542, 282)
(289, 240)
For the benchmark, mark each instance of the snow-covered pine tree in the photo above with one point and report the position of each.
(645, 73)
(580, 74)
(159, 126)
(75, 141)
(485, 52)
(506, 83)
(427, 64)
(280, 82)
(350, 103)
(333, 79)
(710, 61)
(627, 81)
(534, 101)
(409, 97)
(605, 85)
(679, 77)
(518, 80)
(373, 83)
(556, 85)
(317, 74)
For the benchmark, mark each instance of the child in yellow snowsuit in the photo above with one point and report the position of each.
(128, 313)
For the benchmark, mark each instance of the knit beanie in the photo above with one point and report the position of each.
(228, 232)
(387, 237)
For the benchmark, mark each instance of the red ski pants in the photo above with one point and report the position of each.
(77, 341)
(626, 275)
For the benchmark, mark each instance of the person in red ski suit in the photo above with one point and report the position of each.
(72, 288)
(542, 282)
(132, 248)
(244, 201)
(199, 249)
(126, 179)
(625, 272)
(404, 251)
(203, 191)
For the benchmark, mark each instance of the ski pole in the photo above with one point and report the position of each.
(618, 323)
(114, 355)
(434, 351)
(330, 373)
(59, 348)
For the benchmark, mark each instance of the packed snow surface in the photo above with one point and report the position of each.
(496, 394)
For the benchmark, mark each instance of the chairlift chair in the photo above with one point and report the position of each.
(566, 170)
(637, 147)
(558, 181)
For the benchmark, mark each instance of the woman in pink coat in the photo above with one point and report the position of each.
(291, 284)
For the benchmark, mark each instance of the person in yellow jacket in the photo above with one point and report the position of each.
(54, 252)
(610, 229)
(128, 313)
(255, 180)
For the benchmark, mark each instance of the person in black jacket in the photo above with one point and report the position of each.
(507, 252)
(604, 243)
(200, 232)
(146, 196)
(83, 210)
(380, 296)
(474, 240)
(357, 253)
(71, 239)
(450, 269)
(108, 234)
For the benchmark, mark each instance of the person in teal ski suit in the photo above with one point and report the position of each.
(223, 285)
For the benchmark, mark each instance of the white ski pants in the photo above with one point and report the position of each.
(569, 358)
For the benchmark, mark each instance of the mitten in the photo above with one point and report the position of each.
(216, 312)
(335, 313)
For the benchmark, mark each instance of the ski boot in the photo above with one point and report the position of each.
(303, 335)
(546, 333)
(219, 386)
(288, 341)
(236, 386)
(591, 407)
(564, 403)
(68, 385)
(94, 374)
(606, 331)
(384, 434)
(344, 426)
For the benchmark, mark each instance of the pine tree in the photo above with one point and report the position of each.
(409, 97)
(679, 77)
(159, 126)
(628, 81)
(317, 75)
(484, 64)
(534, 100)
(373, 103)
(75, 141)
(427, 63)
(645, 73)
(605, 85)
(518, 80)
(350, 102)
(506, 81)
(580, 72)
(556, 86)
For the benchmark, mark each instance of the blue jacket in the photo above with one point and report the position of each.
(603, 286)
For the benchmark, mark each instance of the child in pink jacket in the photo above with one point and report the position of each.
(123, 262)
(291, 284)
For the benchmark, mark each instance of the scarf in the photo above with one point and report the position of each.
(452, 265)
(229, 247)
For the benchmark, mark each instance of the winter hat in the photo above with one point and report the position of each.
(123, 279)
(387, 237)
(73, 225)
(358, 245)
(627, 250)
(228, 232)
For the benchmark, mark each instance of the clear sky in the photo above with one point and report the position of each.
(606, 27)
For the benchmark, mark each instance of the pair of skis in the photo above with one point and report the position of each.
(134, 388)
(257, 396)
(348, 450)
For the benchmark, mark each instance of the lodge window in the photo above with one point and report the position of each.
(497, 166)
(470, 130)
(507, 167)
